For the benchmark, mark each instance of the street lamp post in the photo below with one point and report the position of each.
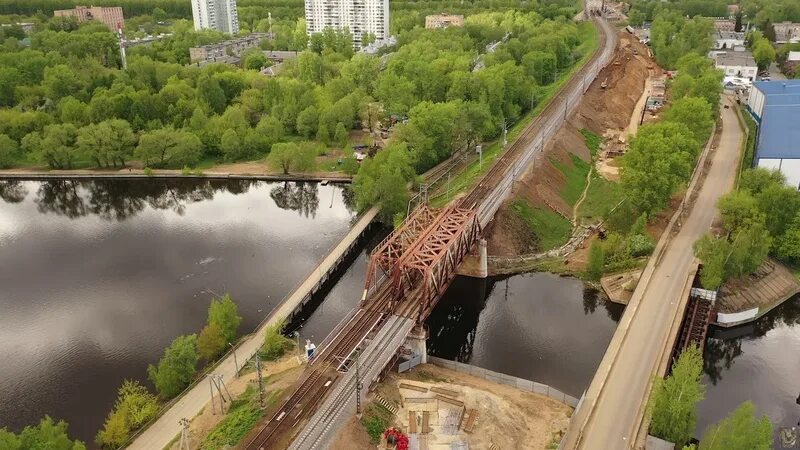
(235, 361)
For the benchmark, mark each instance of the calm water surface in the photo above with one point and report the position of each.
(758, 362)
(98, 277)
(535, 326)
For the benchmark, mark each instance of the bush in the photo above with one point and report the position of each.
(275, 343)
(240, 419)
(148, 171)
(376, 420)
(597, 257)
(135, 406)
(640, 245)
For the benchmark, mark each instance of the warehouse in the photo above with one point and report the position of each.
(776, 106)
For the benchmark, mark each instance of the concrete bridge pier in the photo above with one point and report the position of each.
(483, 259)
(417, 340)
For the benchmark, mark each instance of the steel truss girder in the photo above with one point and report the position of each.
(393, 247)
(434, 258)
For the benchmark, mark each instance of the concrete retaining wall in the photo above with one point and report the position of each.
(501, 378)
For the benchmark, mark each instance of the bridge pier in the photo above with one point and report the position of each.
(483, 259)
(417, 341)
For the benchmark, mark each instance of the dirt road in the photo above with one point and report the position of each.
(612, 405)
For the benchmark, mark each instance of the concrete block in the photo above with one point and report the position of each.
(540, 388)
(525, 385)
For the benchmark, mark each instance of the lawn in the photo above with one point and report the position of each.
(242, 416)
(551, 229)
(575, 178)
(602, 196)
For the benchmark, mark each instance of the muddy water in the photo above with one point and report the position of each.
(96, 278)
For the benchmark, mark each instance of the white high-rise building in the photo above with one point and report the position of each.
(216, 15)
(360, 17)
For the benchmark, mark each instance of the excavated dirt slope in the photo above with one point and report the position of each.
(600, 110)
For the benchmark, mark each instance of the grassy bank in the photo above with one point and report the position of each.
(551, 229)
(242, 416)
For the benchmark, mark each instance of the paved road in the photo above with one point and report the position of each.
(163, 430)
(613, 413)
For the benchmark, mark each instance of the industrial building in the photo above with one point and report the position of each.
(111, 16)
(737, 64)
(220, 15)
(775, 105)
(359, 17)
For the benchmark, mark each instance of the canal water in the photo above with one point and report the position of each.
(98, 277)
(760, 362)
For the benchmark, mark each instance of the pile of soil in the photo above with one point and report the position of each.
(600, 110)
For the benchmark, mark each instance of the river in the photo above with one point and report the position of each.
(99, 276)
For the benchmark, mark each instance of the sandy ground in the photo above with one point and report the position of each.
(606, 112)
(507, 417)
(281, 373)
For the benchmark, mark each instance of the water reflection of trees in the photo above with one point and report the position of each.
(592, 298)
(721, 351)
(456, 317)
(297, 196)
(121, 199)
(13, 191)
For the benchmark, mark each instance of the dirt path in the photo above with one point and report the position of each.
(581, 199)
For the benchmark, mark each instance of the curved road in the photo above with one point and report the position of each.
(610, 415)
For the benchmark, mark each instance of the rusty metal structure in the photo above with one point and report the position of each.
(433, 260)
(427, 248)
(392, 248)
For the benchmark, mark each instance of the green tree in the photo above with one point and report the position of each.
(594, 268)
(741, 430)
(134, 407)
(210, 92)
(169, 147)
(789, 244)
(694, 113)
(713, 253)
(211, 341)
(54, 145)
(275, 343)
(737, 209)
(10, 78)
(383, 180)
(340, 135)
(292, 157)
(115, 432)
(176, 369)
(48, 434)
(255, 61)
(673, 402)
(307, 122)
(763, 53)
(107, 143)
(9, 152)
(224, 313)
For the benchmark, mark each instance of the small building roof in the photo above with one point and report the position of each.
(736, 59)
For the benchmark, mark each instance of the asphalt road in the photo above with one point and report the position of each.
(613, 420)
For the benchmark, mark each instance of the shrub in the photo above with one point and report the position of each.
(148, 171)
(176, 368)
(594, 268)
(275, 343)
(640, 245)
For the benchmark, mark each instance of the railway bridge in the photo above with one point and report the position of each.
(407, 274)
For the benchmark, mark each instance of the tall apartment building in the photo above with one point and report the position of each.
(220, 15)
(110, 16)
(360, 17)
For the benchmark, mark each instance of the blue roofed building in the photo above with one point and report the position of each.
(776, 107)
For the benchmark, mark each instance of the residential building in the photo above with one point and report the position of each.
(111, 16)
(737, 64)
(732, 10)
(786, 32)
(27, 27)
(220, 15)
(444, 20)
(724, 25)
(776, 107)
(360, 17)
(793, 57)
(227, 51)
(728, 40)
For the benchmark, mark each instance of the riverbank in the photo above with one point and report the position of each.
(132, 173)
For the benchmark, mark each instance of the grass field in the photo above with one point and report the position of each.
(576, 178)
(552, 229)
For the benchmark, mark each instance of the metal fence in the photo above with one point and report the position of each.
(496, 377)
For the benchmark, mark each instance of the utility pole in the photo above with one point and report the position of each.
(260, 382)
(235, 362)
(184, 423)
(358, 387)
(213, 403)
